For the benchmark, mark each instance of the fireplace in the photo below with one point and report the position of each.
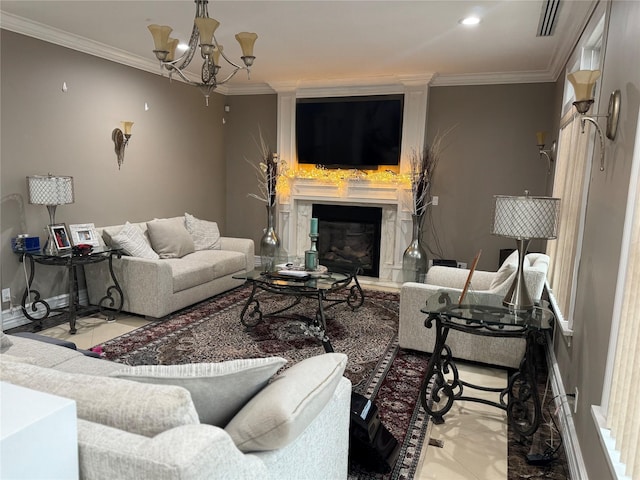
(349, 237)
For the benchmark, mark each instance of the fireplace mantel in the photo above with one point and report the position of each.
(294, 209)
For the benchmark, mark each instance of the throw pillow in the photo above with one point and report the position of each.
(205, 234)
(133, 242)
(169, 237)
(285, 408)
(218, 390)
(131, 406)
(5, 341)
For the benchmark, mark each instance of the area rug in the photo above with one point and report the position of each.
(211, 332)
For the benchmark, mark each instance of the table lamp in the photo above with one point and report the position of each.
(50, 190)
(524, 218)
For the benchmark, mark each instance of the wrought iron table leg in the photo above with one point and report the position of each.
(249, 320)
(524, 408)
(35, 300)
(73, 299)
(107, 302)
(322, 325)
(438, 366)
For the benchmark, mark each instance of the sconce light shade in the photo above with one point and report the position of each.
(583, 82)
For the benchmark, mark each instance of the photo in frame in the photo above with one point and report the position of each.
(60, 237)
(84, 234)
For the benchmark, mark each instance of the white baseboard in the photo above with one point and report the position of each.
(14, 317)
(575, 461)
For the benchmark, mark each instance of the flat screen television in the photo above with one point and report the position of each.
(349, 132)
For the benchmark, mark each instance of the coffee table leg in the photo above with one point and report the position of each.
(254, 317)
(322, 324)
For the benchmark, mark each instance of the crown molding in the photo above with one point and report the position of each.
(492, 78)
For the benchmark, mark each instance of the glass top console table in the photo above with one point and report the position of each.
(36, 309)
(329, 288)
(484, 315)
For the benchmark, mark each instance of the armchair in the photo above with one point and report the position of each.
(505, 352)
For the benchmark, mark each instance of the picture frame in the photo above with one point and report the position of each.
(59, 235)
(84, 234)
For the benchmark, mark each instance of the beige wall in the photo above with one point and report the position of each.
(248, 116)
(174, 162)
(491, 150)
(583, 363)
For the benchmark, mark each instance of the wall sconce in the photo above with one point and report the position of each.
(120, 140)
(583, 82)
(549, 153)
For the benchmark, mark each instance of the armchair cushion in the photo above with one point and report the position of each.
(504, 275)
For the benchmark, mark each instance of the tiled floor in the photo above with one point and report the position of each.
(474, 435)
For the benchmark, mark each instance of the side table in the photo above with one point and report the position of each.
(442, 384)
(108, 305)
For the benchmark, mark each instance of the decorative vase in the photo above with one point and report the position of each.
(269, 243)
(414, 258)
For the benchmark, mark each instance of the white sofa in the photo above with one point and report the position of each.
(296, 427)
(505, 352)
(188, 273)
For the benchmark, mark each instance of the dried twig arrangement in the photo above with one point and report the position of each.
(267, 174)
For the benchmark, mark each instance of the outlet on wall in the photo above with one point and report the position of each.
(6, 295)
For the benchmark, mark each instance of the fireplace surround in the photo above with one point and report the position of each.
(295, 208)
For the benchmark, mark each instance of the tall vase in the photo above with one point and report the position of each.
(269, 243)
(414, 259)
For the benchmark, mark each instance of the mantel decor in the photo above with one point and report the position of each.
(423, 165)
(210, 50)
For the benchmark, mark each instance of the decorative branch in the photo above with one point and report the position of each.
(267, 174)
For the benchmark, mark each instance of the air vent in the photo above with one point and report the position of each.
(548, 18)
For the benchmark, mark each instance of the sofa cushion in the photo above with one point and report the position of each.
(285, 408)
(131, 406)
(133, 242)
(42, 354)
(170, 238)
(205, 234)
(204, 266)
(218, 390)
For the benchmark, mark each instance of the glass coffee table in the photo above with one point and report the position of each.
(484, 315)
(329, 288)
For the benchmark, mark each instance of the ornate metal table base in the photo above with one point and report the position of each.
(442, 384)
(327, 298)
(108, 305)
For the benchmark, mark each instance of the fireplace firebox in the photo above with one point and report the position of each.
(349, 237)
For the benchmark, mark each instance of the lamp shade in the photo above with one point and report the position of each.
(50, 189)
(525, 217)
(583, 82)
(246, 41)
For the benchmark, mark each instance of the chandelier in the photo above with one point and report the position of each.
(210, 50)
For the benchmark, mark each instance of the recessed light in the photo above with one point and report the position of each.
(470, 21)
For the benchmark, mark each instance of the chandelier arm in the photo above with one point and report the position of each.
(186, 79)
(222, 54)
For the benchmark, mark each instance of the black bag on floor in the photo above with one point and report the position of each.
(371, 445)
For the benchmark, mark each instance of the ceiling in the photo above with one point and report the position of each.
(308, 42)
